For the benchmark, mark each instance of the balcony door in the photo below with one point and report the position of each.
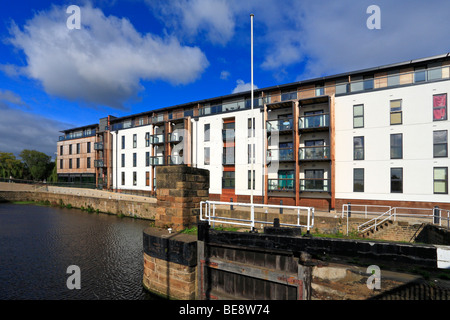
(313, 119)
(314, 179)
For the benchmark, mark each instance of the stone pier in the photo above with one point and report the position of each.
(179, 190)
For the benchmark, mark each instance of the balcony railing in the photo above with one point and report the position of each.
(98, 146)
(284, 154)
(71, 136)
(279, 125)
(315, 185)
(228, 135)
(157, 160)
(158, 119)
(175, 137)
(157, 139)
(314, 121)
(174, 160)
(281, 185)
(99, 163)
(314, 153)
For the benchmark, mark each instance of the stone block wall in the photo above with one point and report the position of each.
(170, 264)
(179, 190)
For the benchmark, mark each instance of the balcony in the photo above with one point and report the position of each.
(228, 135)
(280, 155)
(156, 160)
(98, 146)
(281, 185)
(175, 137)
(174, 160)
(157, 139)
(158, 119)
(318, 153)
(77, 135)
(316, 121)
(99, 163)
(315, 185)
(280, 125)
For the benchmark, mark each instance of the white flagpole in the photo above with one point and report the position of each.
(251, 120)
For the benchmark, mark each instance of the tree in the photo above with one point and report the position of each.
(36, 162)
(10, 166)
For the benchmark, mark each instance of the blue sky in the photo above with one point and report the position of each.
(131, 56)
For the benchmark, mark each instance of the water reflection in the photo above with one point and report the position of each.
(38, 243)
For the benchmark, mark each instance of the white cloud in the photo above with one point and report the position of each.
(103, 62)
(224, 75)
(241, 86)
(213, 18)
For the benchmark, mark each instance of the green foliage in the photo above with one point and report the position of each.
(11, 167)
(37, 163)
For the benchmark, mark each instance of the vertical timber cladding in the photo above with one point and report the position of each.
(237, 272)
(179, 190)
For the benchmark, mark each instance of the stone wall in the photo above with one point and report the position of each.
(135, 208)
(179, 190)
(170, 261)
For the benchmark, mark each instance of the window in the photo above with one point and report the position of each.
(88, 147)
(207, 159)
(440, 180)
(123, 142)
(358, 116)
(60, 150)
(70, 149)
(358, 148)
(134, 159)
(393, 78)
(228, 155)
(358, 180)
(368, 82)
(78, 148)
(440, 148)
(249, 126)
(206, 131)
(440, 107)
(123, 178)
(123, 160)
(147, 139)
(396, 180)
(396, 146)
(147, 159)
(147, 178)
(320, 91)
(286, 180)
(228, 180)
(420, 74)
(70, 163)
(61, 163)
(396, 111)
(134, 178)
(88, 163)
(250, 179)
(78, 163)
(134, 140)
(314, 180)
(250, 155)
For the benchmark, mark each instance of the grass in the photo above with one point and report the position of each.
(194, 230)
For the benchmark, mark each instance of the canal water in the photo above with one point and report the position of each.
(39, 243)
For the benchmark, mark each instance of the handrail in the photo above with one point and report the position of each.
(210, 215)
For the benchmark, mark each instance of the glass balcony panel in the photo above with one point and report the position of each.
(314, 153)
(157, 160)
(279, 125)
(157, 138)
(314, 121)
(281, 185)
(312, 185)
(285, 154)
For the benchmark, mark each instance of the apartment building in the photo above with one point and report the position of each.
(374, 136)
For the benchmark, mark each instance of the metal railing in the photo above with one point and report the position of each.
(209, 212)
(437, 216)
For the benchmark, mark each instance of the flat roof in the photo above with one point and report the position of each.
(283, 86)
